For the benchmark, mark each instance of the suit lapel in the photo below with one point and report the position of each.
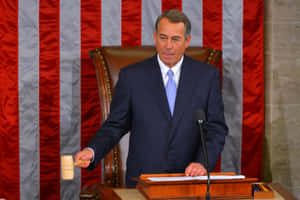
(158, 90)
(184, 94)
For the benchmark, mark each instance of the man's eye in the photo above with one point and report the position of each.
(163, 38)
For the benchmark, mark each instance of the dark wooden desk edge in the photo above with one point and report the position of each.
(107, 192)
(283, 192)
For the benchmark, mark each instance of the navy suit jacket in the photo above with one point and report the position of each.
(160, 143)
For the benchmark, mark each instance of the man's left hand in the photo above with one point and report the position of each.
(195, 169)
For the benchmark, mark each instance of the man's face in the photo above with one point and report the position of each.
(170, 41)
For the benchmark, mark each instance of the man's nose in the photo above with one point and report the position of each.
(169, 44)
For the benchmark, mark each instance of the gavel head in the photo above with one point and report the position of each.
(67, 167)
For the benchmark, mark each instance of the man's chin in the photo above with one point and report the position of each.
(167, 62)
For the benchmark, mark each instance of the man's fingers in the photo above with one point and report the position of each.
(187, 171)
(190, 170)
(195, 169)
(83, 158)
(81, 163)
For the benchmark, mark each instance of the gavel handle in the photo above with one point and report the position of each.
(79, 162)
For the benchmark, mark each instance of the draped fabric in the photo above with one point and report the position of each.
(49, 103)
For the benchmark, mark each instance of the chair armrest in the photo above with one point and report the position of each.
(96, 191)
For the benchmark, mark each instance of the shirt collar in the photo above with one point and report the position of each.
(164, 68)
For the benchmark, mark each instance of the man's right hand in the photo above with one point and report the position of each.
(84, 158)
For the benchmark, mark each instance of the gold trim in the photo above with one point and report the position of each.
(211, 55)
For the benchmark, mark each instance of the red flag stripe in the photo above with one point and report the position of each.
(49, 100)
(90, 106)
(253, 88)
(9, 104)
(131, 22)
(171, 4)
(212, 33)
(212, 24)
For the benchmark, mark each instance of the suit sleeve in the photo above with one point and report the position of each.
(215, 127)
(116, 125)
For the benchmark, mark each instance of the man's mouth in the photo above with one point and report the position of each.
(168, 55)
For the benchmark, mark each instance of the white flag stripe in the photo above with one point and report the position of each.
(150, 11)
(233, 83)
(70, 49)
(194, 10)
(111, 23)
(29, 99)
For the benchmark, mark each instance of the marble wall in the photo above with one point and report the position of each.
(281, 159)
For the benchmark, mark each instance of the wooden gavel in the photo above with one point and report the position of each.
(67, 166)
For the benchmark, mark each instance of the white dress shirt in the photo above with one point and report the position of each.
(176, 71)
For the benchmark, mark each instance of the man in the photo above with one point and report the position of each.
(164, 135)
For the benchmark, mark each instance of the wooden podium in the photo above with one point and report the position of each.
(102, 192)
(219, 189)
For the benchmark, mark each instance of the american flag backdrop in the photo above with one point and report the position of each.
(49, 102)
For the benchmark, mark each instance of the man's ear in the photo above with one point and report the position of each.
(187, 41)
(154, 36)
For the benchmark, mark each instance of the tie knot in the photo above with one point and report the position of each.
(170, 73)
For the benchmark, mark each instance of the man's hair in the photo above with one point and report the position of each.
(176, 16)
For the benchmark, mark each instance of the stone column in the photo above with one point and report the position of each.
(281, 157)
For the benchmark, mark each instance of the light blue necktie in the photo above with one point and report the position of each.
(171, 91)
